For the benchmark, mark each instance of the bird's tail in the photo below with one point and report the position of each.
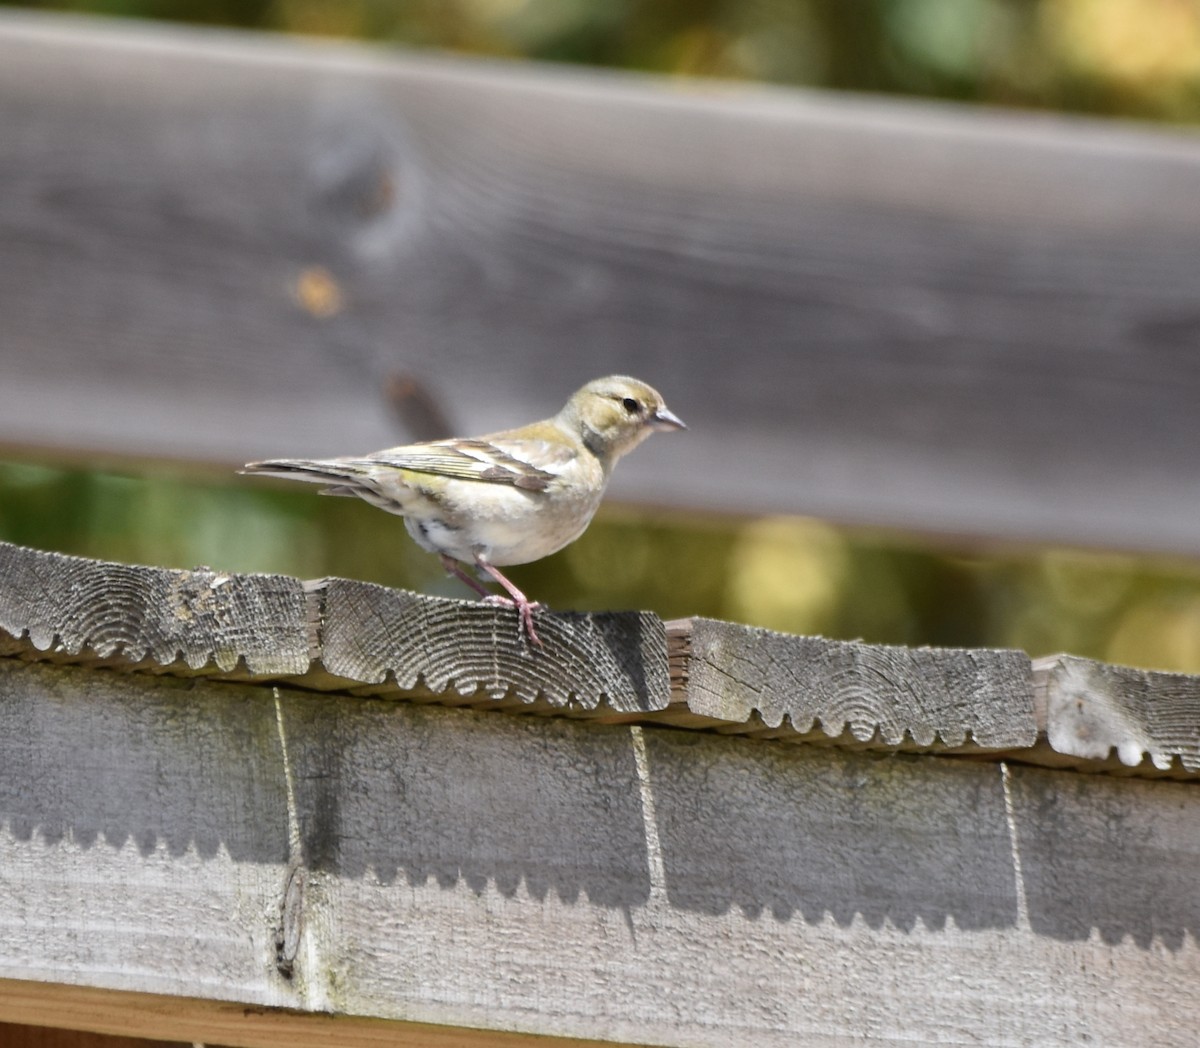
(345, 475)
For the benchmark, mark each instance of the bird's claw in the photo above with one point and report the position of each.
(525, 610)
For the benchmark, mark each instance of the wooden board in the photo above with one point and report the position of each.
(326, 634)
(370, 634)
(399, 863)
(221, 1024)
(20, 1035)
(1124, 717)
(782, 686)
(76, 608)
(221, 247)
(618, 667)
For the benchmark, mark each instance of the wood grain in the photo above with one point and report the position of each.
(811, 688)
(371, 634)
(75, 608)
(223, 1024)
(13, 1035)
(327, 634)
(958, 320)
(1117, 716)
(556, 877)
(624, 667)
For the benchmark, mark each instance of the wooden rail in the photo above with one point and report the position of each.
(221, 246)
(623, 667)
(308, 846)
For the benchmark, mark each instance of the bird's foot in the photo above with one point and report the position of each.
(525, 610)
(515, 599)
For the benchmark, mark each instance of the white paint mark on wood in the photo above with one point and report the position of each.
(654, 855)
(1010, 815)
(295, 847)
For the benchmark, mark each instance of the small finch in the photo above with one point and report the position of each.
(506, 498)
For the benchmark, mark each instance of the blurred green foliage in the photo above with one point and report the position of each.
(785, 573)
(1114, 57)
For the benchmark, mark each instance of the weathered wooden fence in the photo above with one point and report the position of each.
(211, 794)
(236, 809)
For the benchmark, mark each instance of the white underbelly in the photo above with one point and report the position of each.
(507, 527)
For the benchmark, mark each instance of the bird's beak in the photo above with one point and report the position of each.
(664, 419)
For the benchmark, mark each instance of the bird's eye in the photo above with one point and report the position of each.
(631, 405)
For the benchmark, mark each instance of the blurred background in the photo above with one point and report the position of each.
(1136, 58)
(1133, 59)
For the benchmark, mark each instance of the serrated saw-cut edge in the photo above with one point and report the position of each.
(891, 694)
(1093, 710)
(95, 610)
(626, 667)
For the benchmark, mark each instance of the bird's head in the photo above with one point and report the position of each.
(614, 415)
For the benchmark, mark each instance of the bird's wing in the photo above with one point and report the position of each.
(522, 462)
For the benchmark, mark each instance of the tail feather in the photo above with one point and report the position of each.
(345, 477)
(345, 474)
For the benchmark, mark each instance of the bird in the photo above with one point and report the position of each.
(505, 498)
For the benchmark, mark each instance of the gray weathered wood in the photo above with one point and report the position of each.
(73, 607)
(813, 688)
(1117, 715)
(376, 635)
(574, 879)
(618, 667)
(332, 633)
(222, 247)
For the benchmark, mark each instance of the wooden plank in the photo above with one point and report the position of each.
(949, 319)
(101, 770)
(70, 607)
(374, 635)
(623, 667)
(1119, 717)
(559, 877)
(13, 1035)
(891, 697)
(327, 634)
(228, 1024)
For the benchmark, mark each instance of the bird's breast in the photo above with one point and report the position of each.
(506, 525)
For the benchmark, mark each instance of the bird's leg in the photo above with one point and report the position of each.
(516, 599)
(525, 607)
(452, 568)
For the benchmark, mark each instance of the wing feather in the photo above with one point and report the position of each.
(523, 463)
